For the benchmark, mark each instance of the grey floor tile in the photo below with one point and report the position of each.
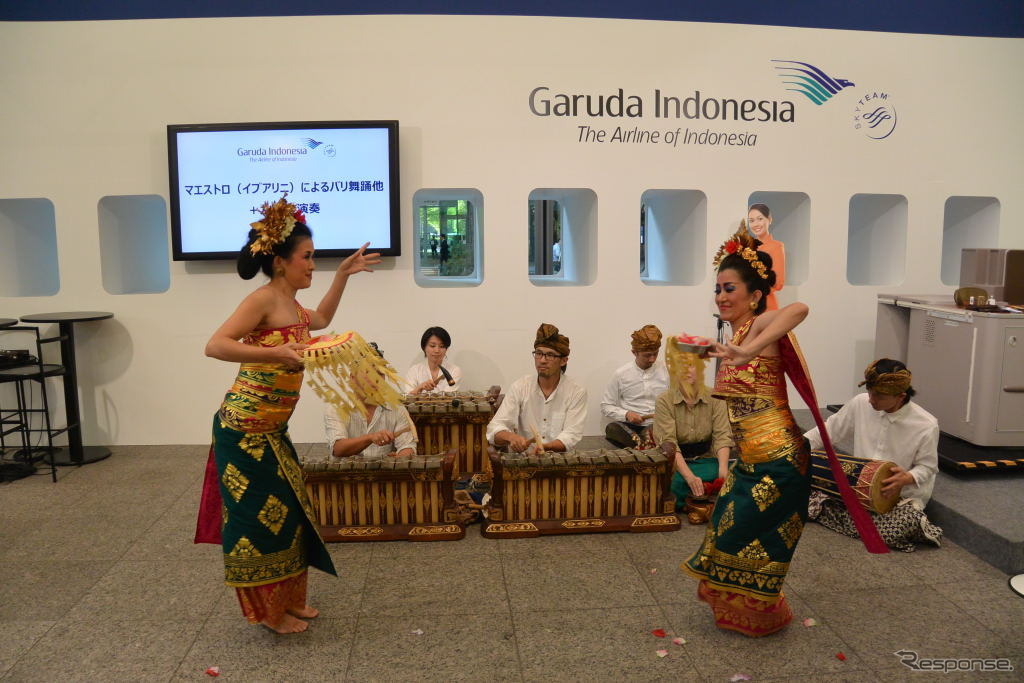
(991, 602)
(46, 590)
(154, 590)
(937, 565)
(435, 586)
(106, 649)
(250, 652)
(78, 535)
(473, 545)
(466, 647)
(599, 644)
(345, 590)
(795, 652)
(877, 622)
(573, 582)
(811, 568)
(17, 638)
(589, 546)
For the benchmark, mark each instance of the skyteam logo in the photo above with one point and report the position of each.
(810, 81)
(311, 143)
(875, 115)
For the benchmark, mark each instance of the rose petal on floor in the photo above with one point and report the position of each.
(808, 622)
(659, 632)
(662, 653)
(679, 641)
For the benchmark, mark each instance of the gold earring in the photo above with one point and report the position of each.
(753, 305)
(278, 272)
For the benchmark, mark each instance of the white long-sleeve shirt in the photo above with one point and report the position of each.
(908, 437)
(559, 416)
(633, 389)
(384, 417)
(420, 373)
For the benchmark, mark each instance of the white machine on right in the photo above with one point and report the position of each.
(968, 365)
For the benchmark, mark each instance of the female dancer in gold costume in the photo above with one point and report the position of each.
(254, 502)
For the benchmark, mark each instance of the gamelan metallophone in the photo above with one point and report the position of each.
(454, 421)
(392, 498)
(580, 492)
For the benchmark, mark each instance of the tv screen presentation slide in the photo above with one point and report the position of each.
(343, 177)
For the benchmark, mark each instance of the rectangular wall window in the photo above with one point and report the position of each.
(448, 243)
(562, 237)
(545, 239)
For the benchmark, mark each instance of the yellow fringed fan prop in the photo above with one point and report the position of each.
(348, 373)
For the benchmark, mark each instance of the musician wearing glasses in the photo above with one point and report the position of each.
(542, 411)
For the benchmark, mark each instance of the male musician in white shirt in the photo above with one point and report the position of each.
(886, 425)
(631, 394)
(547, 406)
(388, 431)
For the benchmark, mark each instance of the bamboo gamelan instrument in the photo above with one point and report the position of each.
(580, 492)
(391, 498)
(454, 421)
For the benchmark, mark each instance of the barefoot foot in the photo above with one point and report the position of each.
(287, 624)
(305, 612)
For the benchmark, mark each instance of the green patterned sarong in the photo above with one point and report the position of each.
(268, 532)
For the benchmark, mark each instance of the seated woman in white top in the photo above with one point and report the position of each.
(426, 377)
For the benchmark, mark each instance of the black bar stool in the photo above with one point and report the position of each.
(19, 419)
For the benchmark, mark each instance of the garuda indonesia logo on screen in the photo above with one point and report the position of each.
(328, 151)
(874, 113)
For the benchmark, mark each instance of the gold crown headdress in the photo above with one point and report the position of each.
(743, 244)
(348, 373)
(278, 221)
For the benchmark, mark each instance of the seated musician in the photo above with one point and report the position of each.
(885, 425)
(629, 399)
(547, 406)
(428, 377)
(388, 431)
(695, 424)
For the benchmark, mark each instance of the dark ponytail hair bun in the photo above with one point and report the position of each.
(249, 264)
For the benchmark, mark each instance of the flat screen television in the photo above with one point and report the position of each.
(342, 174)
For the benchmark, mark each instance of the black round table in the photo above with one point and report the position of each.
(75, 453)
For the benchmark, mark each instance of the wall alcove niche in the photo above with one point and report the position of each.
(967, 223)
(673, 237)
(28, 259)
(134, 256)
(562, 237)
(876, 250)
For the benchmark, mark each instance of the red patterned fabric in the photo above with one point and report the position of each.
(750, 616)
(793, 363)
(270, 602)
(209, 520)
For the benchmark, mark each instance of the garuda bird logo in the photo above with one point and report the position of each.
(809, 80)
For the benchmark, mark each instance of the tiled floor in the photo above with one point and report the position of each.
(99, 580)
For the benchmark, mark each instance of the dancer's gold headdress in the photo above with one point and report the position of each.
(278, 221)
(348, 373)
(743, 244)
